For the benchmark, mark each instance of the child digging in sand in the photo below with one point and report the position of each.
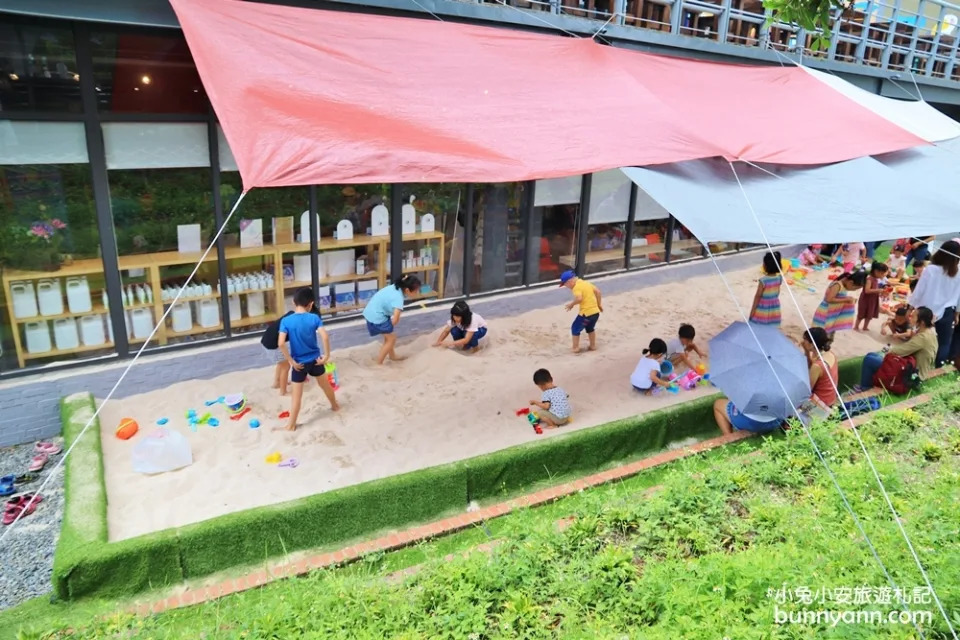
(298, 342)
(588, 297)
(383, 310)
(554, 408)
(679, 348)
(466, 327)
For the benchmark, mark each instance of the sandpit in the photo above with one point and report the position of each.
(437, 406)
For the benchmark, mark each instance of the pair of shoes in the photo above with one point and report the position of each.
(20, 506)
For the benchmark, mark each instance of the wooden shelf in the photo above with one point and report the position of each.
(55, 353)
(153, 263)
(251, 321)
(429, 267)
(194, 331)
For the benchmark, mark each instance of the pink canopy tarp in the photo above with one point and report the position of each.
(315, 97)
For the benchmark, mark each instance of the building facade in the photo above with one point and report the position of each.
(115, 178)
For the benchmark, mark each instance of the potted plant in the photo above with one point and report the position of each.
(35, 247)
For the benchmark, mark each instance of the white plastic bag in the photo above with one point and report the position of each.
(161, 451)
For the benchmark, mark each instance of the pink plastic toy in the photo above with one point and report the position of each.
(689, 380)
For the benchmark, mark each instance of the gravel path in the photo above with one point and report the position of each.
(26, 553)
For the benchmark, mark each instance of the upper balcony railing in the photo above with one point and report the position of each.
(909, 36)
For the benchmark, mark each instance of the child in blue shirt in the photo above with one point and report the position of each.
(383, 310)
(298, 342)
(554, 407)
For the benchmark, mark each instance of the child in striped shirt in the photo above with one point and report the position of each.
(766, 302)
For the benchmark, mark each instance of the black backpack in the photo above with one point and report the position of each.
(271, 337)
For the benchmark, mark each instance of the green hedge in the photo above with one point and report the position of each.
(89, 565)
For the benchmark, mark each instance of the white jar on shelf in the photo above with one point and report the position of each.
(208, 313)
(38, 336)
(181, 317)
(255, 304)
(91, 330)
(24, 300)
(50, 297)
(78, 295)
(65, 334)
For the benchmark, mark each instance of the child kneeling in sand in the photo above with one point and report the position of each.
(298, 342)
(679, 348)
(646, 376)
(466, 327)
(554, 408)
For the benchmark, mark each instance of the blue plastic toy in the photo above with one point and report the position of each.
(666, 368)
(213, 422)
(162, 421)
(191, 414)
(254, 424)
(210, 403)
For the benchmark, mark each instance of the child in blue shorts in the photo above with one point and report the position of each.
(465, 327)
(383, 310)
(298, 342)
(587, 296)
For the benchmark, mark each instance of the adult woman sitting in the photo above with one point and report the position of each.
(731, 419)
(922, 346)
(824, 370)
(939, 291)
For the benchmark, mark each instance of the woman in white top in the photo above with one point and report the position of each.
(465, 327)
(939, 290)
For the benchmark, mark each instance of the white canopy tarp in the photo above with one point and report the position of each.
(859, 200)
(916, 116)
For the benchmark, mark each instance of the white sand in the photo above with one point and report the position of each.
(437, 406)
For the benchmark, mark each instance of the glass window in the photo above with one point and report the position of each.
(262, 240)
(650, 224)
(163, 216)
(607, 219)
(498, 235)
(141, 72)
(38, 68)
(556, 218)
(53, 304)
(426, 252)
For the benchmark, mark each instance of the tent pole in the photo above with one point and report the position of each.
(631, 217)
(583, 216)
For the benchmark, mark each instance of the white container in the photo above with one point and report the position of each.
(50, 297)
(142, 323)
(255, 304)
(24, 300)
(301, 269)
(208, 313)
(78, 295)
(182, 317)
(65, 333)
(38, 337)
(235, 313)
(361, 267)
(91, 330)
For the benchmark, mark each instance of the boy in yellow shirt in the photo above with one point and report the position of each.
(588, 297)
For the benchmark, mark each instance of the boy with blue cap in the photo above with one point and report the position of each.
(588, 297)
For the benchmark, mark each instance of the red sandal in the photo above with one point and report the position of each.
(20, 507)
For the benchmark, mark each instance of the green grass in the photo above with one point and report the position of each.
(699, 558)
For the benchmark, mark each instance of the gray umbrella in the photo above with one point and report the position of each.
(739, 367)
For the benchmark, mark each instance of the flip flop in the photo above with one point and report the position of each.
(6, 486)
(27, 478)
(290, 463)
(38, 462)
(21, 504)
(49, 448)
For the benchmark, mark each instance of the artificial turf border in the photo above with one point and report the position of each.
(86, 564)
